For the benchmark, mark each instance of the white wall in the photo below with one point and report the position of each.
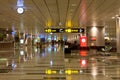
(98, 33)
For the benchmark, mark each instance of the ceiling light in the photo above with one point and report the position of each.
(48, 24)
(20, 6)
(113, 17)
(20, 10)
(116, 15)
(73, 5)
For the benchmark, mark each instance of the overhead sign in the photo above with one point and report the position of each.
(64, 30)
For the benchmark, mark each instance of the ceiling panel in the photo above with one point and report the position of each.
(40, 14)
(63, 9)
(53, 11)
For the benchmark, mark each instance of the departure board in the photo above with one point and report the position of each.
(64, 30)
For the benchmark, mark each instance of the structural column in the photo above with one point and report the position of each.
(96, 36)
(118, 34)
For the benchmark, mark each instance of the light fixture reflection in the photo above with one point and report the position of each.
(36, 49)
(21, 53)
(51, 63)
(81, 71)
(21, 41)
(94, 71)
(83, 53)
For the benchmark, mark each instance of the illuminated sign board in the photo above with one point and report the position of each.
(64, 30)
(83, 41)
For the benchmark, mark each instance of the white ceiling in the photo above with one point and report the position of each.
(39, 12)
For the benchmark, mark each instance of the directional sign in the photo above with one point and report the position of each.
(64, 30)
(61, 30)
(81, 30)
(63, 71)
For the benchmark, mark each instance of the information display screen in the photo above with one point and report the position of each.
(64, 30)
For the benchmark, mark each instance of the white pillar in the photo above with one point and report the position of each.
(118, 34)
(96, 36)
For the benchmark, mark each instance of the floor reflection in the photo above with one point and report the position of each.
(52, 63)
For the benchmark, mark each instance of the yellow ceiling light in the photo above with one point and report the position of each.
(48, 24)
(69, 24)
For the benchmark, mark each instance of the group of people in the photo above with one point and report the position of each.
(74, 45)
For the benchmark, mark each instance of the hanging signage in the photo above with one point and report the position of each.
(64, 30)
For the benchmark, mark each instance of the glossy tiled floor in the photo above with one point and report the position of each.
(50, 63)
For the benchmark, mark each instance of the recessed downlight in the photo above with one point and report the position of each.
(74, 5)
(113, 17)
(116, 15)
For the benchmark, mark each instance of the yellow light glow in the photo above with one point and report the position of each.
(69, 24)
(69, 78)
(48, 24)
(68, 30)
(49, 30)
(46, 30)
(94, 31)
